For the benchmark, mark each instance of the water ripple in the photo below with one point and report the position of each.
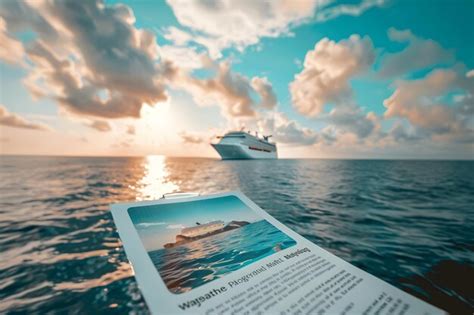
(410, 223)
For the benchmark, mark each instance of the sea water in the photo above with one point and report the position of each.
(193, 264)
(410, 223)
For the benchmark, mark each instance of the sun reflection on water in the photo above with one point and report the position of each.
(155, 181)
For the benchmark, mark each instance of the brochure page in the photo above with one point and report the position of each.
(222, 254)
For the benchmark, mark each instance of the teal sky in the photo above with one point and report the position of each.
(345, 79)
(159, 224)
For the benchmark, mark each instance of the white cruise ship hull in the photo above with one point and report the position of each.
(242, 152)
(239, 145)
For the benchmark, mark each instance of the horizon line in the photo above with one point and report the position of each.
(368, 158)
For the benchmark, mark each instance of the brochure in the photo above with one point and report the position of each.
(223, 254)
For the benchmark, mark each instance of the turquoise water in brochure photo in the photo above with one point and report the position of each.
(191, 265)
(410, 223)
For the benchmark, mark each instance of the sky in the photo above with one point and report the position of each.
(328, 79)
(159, 224)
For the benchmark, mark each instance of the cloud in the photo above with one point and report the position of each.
(130, 129)
(122, 144)
(422, 102)
(348, 123)
(270, 123)
(325, 79)
(327, 71)
(347, 9)
(218, 25)
(223, 24)
(16, 121)
(419, 54)
(100, 125)
(89, 57)
(286, 131)
(22, 15)
(353, 119)
(401, 132)
(177, 36)
(11, 50)
(149, 224)
(175, 226)
(192, 138)
(185, 57)
(233, 92)
(264, 88)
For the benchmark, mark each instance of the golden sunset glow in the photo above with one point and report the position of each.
(155, 182)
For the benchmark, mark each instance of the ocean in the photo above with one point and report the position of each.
(191, 265)
(410, 223)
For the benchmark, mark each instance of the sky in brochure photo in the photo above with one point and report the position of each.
(159, 224)
(349, 79)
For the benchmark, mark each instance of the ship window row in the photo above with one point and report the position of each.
(258, 149)
(242, 137)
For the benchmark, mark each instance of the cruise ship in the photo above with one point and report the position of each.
(202, 229)
(237, 145)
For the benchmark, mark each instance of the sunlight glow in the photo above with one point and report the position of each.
(157, 114)
(155, 182)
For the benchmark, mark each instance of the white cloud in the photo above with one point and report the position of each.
(420, 102)
(14, 120)
(100, 125)
(286, 131)
(227, 23)
(89, 57)
(177, 36)
(264, 88)
(325, 79)
(185, 57)
(347, 9)
(218, 25)
(148, 224)
(11, 50)
(237, 95)
(193, 138)
(419, 54)
(327, 71)
(352, 119)
(401, 132)
(175, 226)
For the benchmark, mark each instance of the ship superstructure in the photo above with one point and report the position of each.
(237, 145)
(202, 229)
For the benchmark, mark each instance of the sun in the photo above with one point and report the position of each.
(157, 113)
